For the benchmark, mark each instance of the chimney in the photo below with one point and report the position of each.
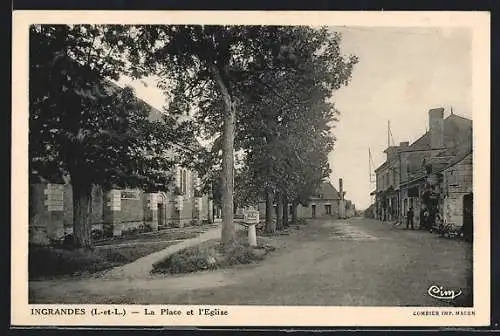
(404, 144)
(341, 188)
(436, 127)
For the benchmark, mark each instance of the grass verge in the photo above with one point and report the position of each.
(49, 262)
(171, 234)
(212, 255)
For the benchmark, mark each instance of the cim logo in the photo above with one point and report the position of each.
(439, 292)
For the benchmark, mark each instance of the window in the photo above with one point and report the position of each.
(129, 194)
(183, 181)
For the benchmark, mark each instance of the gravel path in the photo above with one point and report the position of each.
(142, 266)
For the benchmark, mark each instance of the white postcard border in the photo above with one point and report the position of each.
(21, 315)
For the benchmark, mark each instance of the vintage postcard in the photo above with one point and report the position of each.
(231, 168)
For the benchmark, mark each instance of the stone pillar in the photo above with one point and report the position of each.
(151, 211)
(252, 235)
(179, 206)
(342, 212)
(54, 205)
(198, 208)
(210, 209)
(112, 213)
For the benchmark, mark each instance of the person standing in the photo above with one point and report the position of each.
(426, 220)
(409, 218)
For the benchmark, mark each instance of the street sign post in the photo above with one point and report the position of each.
(251, 218)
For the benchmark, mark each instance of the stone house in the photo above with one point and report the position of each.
(326, 202)
(457, 206)
(420, 168)
(350, 209)
(114, 212)
(387, 184)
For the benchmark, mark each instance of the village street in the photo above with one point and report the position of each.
(355, 262)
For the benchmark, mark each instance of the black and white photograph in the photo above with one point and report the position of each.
(210, 166)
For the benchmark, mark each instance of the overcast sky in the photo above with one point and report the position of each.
(401, 74)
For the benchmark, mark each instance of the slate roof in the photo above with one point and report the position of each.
(457, 140)
(156, 115)
(455, 129)
(327, 191)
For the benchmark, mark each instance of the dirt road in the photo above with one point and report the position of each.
(356, 262)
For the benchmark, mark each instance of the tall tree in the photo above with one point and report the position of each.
(85, 127)
(207, 66)
(287, 122)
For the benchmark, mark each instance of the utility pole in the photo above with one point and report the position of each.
(369, 165)
(388, 133)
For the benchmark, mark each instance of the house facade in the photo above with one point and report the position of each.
(422, 172)
(118, 211)
(327, 202)
(388, 176)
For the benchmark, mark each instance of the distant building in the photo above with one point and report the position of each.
(350, 209)
(424, 175)
(324, 203)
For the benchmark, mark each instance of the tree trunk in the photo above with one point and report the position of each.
(294, 212)
(82, 203)
(228, 229)
(285, 212)
(279, 213)
(210, 212)
(210, 206)
(270, 224)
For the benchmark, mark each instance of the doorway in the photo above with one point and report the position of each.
(313, 208)
(468, 217)
(161, 215)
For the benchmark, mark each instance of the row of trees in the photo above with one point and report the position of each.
(262, 90)
(290, 116)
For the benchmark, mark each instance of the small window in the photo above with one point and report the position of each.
(328, 209)
(183, 181)
(130, 194)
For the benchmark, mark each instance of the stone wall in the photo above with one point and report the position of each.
(457, 183)
(132, 211)
(114, 211)
(46, 212)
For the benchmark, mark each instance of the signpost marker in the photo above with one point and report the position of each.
(251, 218)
